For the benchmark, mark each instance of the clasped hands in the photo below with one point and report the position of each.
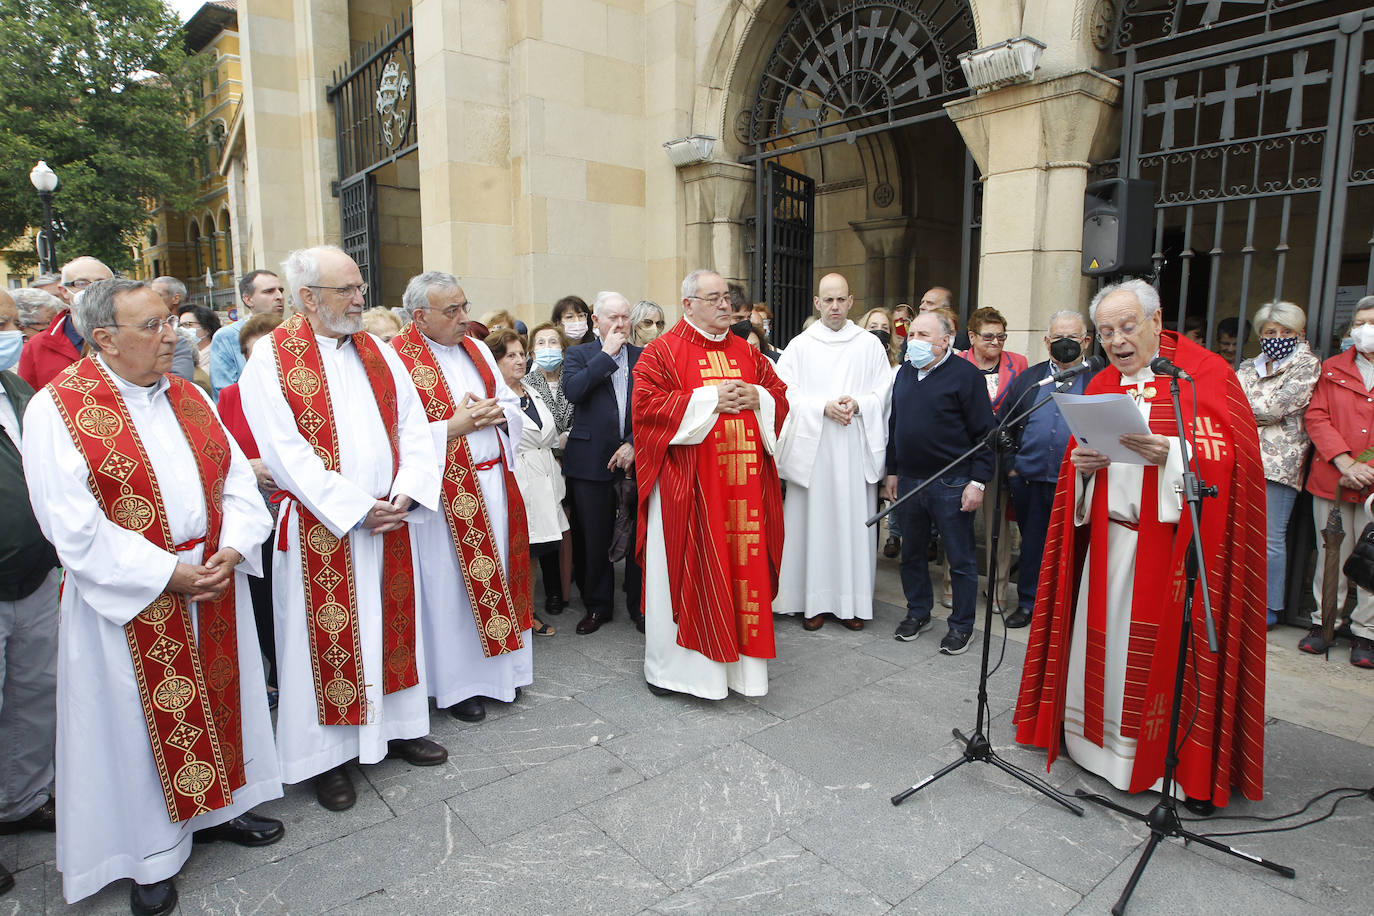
(841, 410)
(205, 581)
(471, 414)
(1154, 449)
(735, 396)
(1355, 475)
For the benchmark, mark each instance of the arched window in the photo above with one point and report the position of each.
(227, 233)
(210, 243)
(193, 237)
(152, 237)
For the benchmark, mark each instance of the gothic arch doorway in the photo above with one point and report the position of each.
(857, 165)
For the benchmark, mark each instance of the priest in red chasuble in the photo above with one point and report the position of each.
(343, 432)
(1099, 671)
(707, 409)
(163, 732)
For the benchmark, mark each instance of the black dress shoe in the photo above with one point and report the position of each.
(247, 829)
(638, 620)
(6, 880)
(589, 624)
(1202, 807)
(334, 789)
(153, 899)
(470, 710)
(44, 817)
(420, 752)
(554, 605)
(1018, 618)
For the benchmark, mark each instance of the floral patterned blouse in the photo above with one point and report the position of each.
(1279, 400)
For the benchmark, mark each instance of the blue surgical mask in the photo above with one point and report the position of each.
(919, 353)
(548, 358)
(11, 342)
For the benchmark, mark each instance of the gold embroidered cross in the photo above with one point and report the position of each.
(736, 452)
(742, 530)
(716, 368)
(1211, 438)
(1154, 717)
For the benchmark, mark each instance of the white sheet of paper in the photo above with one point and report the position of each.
(1098, 421)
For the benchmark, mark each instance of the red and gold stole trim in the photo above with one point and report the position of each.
(331, 597)
(501, 601)
(189, 687)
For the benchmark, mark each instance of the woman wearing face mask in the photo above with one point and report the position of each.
(544, 380)
(11, 335)
(198, 324)
(879, 323)
(1340, 422)
(572, 315)
(1279, 383)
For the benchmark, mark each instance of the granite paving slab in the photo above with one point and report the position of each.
(990, 884)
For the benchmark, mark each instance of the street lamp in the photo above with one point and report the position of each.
(44, 182)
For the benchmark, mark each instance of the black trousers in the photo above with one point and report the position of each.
(261, 592)
(594, 506)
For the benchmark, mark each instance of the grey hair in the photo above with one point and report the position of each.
(172, 285)
(416, 296)
(1144, 293)
(95, 308)
(692, 282)
(946, 326)
(604, 298)
(641, 311)
(302, 267)
(29, 301)
(1286, 314)
(46, 280)
(1067, 313)
(1366, 302)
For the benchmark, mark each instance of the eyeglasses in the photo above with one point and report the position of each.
(78, 284)
(989, 338)
(713, 299)
(151, 326)
(649, 322)
(451, 311)
(1067, 337)
(1126, 330)
(348, 291)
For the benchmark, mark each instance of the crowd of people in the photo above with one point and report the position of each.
(339, 512)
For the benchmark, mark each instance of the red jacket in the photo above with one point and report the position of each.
(1340, 419)
(47, 353)
(1011, 365)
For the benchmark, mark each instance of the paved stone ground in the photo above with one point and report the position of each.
(592, 795)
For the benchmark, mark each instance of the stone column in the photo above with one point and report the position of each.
(1033, 143)
(887, 243)
(718, 194)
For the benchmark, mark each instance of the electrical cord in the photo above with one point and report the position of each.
(1351, 792)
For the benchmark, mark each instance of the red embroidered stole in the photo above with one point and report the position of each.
(501, 600)
(327, 561)
(188, 685)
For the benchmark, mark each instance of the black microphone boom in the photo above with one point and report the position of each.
(1093, 364)
(1162, 365)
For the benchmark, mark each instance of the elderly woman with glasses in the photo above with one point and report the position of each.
(646, 322)
(1279, 383)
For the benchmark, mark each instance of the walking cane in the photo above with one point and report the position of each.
(1332, 535)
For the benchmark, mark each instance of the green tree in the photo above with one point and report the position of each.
(103, 91)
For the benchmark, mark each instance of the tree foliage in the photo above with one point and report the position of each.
(101, 90)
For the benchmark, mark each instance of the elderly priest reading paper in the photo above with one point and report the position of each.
(163, 730)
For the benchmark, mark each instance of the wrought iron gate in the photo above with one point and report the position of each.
(1260, 147)
(783, 261)
(374, 124)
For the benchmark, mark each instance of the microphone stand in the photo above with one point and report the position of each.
(977, 746)
(1163, 819)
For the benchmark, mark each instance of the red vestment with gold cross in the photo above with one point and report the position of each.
(1223, 696)
(721, 499)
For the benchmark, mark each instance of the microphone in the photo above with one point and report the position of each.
(1161, 365)
(1094, 364)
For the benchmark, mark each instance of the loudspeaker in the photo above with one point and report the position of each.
(1118, 227)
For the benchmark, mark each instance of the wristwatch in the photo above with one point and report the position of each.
(979, 484)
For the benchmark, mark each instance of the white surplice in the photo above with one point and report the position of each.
(1114, 760)
(667, 664)
(112, 819)
(340, 500)
(456, 668)
(830, 556)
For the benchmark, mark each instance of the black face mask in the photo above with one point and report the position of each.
(1065, 350)
(742, 328)
(882, 335)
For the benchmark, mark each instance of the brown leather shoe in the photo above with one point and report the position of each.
(420, 752)
(812, 624)
(334, 789)
(589, 624)
(853, 623)
(44, 817)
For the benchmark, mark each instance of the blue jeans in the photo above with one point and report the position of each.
(939, 504)
(1033, 500)
(1278, 506)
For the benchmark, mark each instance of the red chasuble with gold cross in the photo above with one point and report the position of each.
(1223, 694)
(721, 500)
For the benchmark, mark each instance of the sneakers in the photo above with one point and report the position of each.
(955, 642)
(911, 627)
(1362, 653)
(1313, 642)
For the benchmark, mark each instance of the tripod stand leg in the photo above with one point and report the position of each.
(1191, 837)
(1120, 907)
(943, 771)
(1038, 785)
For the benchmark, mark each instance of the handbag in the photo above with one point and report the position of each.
(1359, 566)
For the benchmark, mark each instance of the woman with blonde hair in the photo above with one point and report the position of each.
(381, 322)
(879, 321)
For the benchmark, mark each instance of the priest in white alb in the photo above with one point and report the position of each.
(474, 551)
(342, 431)
(832, 453)
(163, 732)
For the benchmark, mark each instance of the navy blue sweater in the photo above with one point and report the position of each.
(937, 419)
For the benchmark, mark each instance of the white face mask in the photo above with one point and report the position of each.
(1364, 338)
(576, 330)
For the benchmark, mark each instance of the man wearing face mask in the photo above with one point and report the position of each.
(939, 410)
(1041, 439)
(11, 335)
